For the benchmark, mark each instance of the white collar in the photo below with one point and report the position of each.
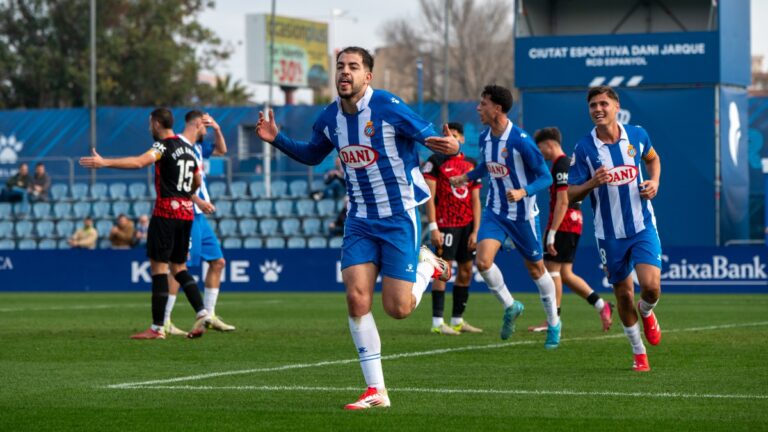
(598, 143)
(504, 135)
(362, 104)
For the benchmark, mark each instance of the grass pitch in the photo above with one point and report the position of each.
(67, 364)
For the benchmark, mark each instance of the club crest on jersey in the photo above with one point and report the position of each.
(461, 192)
(622, 175)
(369, 129)
(357, 156)
(497, 170)
(631, 151)
(504, 152)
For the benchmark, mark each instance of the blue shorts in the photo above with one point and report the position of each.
(391, 243)
(526, 234)
(619, 256)
(203, 244)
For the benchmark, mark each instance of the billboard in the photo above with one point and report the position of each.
(301, 51)
(684, 269)
(617, 60)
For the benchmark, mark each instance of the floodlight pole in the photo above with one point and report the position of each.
(268, 147)
(446, 78)
(93, 83)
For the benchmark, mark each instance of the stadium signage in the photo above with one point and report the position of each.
(6, 263)
(629, 59)
(622, 175)
(718, 268)
(357, 156)
(497, 170)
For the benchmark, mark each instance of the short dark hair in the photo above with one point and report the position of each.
(603, 89)
(367, 57)
(193, 115)
(498, 95)
(550, 133)
(163, 116)
(458, 127)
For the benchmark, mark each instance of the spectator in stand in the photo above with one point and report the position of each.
(142, 227)
(41, 183)
(336, 228)
(85, 237)
(17, 185)
(335, 185)
(121, 234)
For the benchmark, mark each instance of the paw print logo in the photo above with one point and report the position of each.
(271, 271)
(9, 149)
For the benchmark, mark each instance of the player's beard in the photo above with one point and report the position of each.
(353, 89)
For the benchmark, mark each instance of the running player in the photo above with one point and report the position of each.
(606, 166)
(176, 179)
(454, 218)
(564, 229)
(375, 134)
(204, 244)
(517, 172)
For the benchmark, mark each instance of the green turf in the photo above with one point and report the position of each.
(60, 352)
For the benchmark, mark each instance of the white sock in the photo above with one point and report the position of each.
(547, 289)
(646, 308)
(495, 281)
(599, 304)
(437, 321)
(424, 273)
(368, 344)
(633, 334)
(456, 321)
(169, 308)
(209, 299)
(203, 312)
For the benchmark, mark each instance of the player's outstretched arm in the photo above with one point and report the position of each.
(309, 153)
(95, 161)
(446, 144)
(219, 143)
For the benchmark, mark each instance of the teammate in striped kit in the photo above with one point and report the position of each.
(375, 134)
(606, 166)
(517, 172)
(203, 242)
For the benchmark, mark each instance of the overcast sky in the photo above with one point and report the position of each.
(361, 26)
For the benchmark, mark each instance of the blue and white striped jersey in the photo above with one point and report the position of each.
(378, 149)
(619, 210)
(203, 151)
(513, 161)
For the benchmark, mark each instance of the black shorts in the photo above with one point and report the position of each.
(565, 245)
(168, 239)
(456, 244)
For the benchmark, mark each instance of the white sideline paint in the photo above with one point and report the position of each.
(109, 306)
(147, 384)
(465, 391)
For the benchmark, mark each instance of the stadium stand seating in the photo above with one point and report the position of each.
(305, 207)
(299, 188)
(268, 227)
(311, 226)
(7, 244)
(23, 229)
(59, 191)
(5, 210)
(121, 207)
(275, 243)
(137, 190)
(290, 226)
(258, 190)
(27, 244)
(64, 228)
(217, 189)
(6, 229)
(98, 191)
(297, 243)
(335, 242)
(263, 208)
(141, 207)
(81, 209)
(253, 243)
(284, 208)
(103, 227)
(118, 191)
(279, 188)
(21, 210)
(238, 189)
(44, 228)
(47, 243)
(101, 210)
(62, 210)
(243, 208)
(223, 208)
(317, 243)
(227, 227)
(41, 210)
(326, 208)
(232, 243)
(78, 191)
(248, 227)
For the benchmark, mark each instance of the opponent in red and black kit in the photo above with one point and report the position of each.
(454, 218)
(176, 178)
(564, 229)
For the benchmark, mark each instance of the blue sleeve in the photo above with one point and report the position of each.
(647, 145)
(408, 123)
(208, 148)
(309, 153)
(534, 160)
(578, 173)
(480, 171)
(543, 179)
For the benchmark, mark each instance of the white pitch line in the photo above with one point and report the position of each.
(404, 355)
(466, 391)
(75, 307)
